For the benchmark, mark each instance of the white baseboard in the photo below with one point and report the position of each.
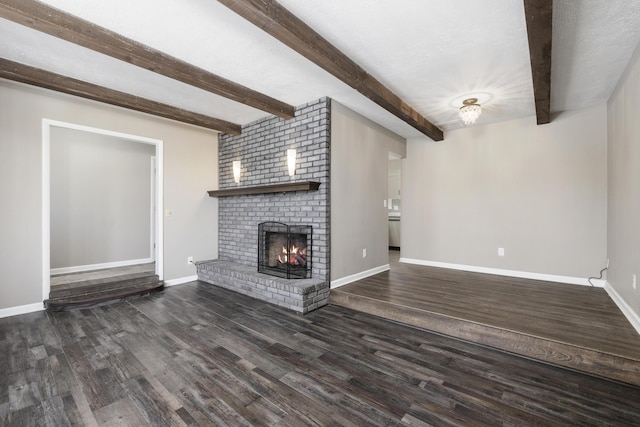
(89, 267)
(180, 281)
(632, 316)
(21, 309)
(358, 276)
(598, 283)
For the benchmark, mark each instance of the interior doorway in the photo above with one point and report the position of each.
(109, 202)
(394, 201)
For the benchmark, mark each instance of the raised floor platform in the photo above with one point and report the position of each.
(301, 295)
(572, 326)
(76, 290)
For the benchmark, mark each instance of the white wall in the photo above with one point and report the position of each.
(100, 190)
(539, 192)
(190, 169)
(359, 186)
(624, 190)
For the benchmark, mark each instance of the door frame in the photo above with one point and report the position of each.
(47, 124)
(152, 211)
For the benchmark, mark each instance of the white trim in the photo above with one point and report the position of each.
(21, 309)
(180, 281)
(102, 266)
(632, 316)
(46, 210)
(159, 255)
(142, 139)
(46, 194)
(152, 205)
(598, 283)
(359, 276)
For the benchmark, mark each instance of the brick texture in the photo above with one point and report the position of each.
(262, 150)
(302, 295)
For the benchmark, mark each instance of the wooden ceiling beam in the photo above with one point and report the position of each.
(271, 17)
(55, 22)
(15, 71)
(539, 15)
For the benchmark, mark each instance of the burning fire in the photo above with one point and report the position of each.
(294, 256)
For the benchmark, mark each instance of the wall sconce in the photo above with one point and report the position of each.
(236, 171)
(291, 161)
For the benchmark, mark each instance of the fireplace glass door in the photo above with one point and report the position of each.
(285, 250)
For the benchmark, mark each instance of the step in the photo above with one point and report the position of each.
(586, 360)
(89, 286)
(84, 298)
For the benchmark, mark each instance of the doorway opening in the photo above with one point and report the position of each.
(91, 228)
(394, 201)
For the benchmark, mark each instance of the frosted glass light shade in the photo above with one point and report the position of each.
(291, 161)
(236, 171)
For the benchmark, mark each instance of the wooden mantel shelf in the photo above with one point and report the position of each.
(264, 189)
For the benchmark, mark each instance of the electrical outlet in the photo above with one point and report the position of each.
(190, 260)
(364, 253)
(607, 262)
(634, 281)
(500, 251)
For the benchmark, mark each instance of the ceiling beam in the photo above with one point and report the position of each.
(539, 19)
(271, 17)
(37, 77)
(55, 22)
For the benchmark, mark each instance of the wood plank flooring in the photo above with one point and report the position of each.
(200, 355)
(83, 289)
(68, 280)
(575, 326)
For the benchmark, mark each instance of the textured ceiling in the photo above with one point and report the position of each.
(592, 44)
(432, 53)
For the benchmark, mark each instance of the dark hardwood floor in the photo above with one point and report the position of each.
(578, 327)
(87, 288)
(70, 280)
(197, 354)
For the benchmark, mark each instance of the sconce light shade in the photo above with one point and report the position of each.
(236, 171)
(291, 161)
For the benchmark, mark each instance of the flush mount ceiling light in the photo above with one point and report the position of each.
(470, 111)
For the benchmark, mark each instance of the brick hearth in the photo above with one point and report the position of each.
(301, 295)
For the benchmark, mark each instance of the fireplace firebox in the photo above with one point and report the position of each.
(285, 250)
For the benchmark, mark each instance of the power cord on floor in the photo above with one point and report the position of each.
(601, 271)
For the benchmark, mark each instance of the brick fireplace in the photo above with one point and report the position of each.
(262, 149)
